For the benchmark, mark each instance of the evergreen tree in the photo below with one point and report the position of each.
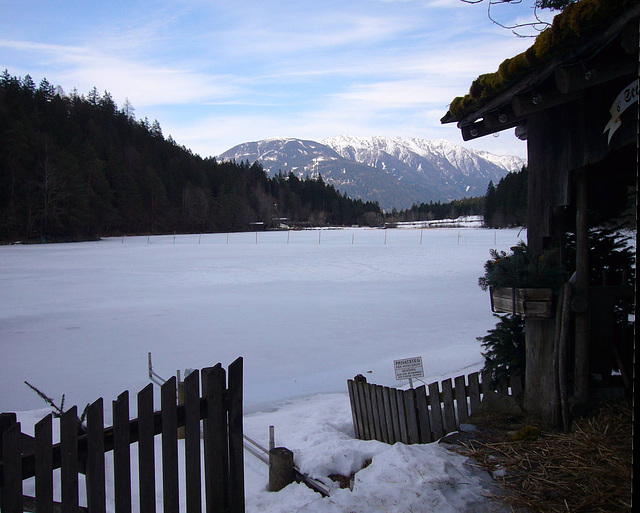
(490, 204)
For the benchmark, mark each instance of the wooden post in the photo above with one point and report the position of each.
(562, 356)
(180, 403)
(580, 301)
(146, 451)
(69, 461)
(281, 472)
(44, 465)
(11, 500)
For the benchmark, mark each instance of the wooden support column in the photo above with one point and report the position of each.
(581, 292)
(548, 192)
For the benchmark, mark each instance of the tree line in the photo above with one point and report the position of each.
(506, 204)
(76, 167)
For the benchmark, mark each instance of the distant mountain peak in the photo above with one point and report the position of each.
(394, 171)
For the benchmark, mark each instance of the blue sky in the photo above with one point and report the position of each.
(219, 73)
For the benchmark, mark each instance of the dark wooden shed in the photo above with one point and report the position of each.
(574, 97)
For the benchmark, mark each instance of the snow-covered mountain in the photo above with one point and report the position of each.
(396, 172)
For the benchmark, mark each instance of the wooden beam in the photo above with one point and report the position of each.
(576, 77)
(535, 101)
(581, 287)
(480, 129)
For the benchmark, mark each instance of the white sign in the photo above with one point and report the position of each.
(627, 97)
(409, 368)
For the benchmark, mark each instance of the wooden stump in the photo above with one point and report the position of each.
(281, 471)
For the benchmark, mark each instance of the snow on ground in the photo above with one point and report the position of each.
(307, 310)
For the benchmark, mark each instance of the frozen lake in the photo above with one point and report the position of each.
(306, 309)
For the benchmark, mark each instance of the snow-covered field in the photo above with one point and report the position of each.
(306, 309)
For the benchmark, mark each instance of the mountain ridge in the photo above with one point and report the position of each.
(395, 172)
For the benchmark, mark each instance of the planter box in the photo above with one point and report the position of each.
(527, 302)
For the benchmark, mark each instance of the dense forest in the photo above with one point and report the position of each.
(438, 210)
(75, 167)
(506, 204)
(503, 205)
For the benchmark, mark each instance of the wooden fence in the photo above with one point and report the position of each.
(421, 415)
(82, 450)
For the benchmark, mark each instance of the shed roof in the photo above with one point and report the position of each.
(590, 42)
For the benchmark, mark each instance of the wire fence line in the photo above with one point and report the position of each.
(322, 236)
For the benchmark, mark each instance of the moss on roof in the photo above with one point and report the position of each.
(575, 23)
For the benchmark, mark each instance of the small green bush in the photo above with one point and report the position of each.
(504, 345)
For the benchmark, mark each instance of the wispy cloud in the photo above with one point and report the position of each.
(142, 82)
(218, 73)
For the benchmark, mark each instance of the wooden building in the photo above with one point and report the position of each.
(574, 97)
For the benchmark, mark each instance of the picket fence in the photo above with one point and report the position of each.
(421, 415)
(82, 450)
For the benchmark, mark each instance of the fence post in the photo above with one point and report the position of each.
(44, 464)
(69, 460)
(281, 472)
(168, 401)
(436, 411)
(193, 474)
(121, 453)
(180, 403)
(95, 478)
(461, 400)
(146, 451)
(12, 459)
(216, 455)
(235, 430)
(450, 424)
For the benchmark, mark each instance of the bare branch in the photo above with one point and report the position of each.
(539, 25)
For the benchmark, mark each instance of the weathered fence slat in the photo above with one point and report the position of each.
(95, 474)
(169, 407)
(12, 458)
(413, 433)
(384, 435)
(393, 402)
(474, 391)
(146, 451)
(69, 464)
(192, 442)
(423, 414)
(402, 417)
(7, 420)
(386, 401)
(236, 443)
(121, 454)
(43, 432)
(376, 413)
(486, 382)
(436, 413)
(461, 399)
(215, 443)
(370, 413)
(365, 410)
(353, 401)
(449, 408)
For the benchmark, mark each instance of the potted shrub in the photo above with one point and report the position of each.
(521, 282)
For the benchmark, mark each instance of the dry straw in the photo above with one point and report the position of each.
(586, 470)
